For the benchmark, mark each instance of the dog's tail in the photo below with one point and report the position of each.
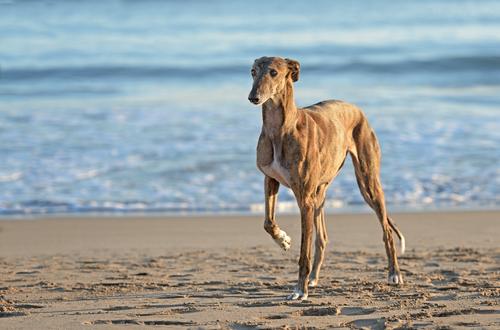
(400, 236)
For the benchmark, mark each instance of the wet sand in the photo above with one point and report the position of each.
(226, 273)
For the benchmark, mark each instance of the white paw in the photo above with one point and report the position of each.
(395, 279)
(283, 240)
(297, 295)
(313, 282)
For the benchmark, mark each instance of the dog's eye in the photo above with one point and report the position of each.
(273, 73)
(253, 72)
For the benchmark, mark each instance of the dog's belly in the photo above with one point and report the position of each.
(276, 171)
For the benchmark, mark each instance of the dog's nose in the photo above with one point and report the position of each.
(253, 99)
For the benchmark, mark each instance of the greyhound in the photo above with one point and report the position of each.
(304, 150)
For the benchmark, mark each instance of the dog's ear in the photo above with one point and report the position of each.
(293, 68)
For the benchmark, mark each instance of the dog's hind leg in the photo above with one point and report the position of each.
(365, 153)
(271, 188)
(321, 237)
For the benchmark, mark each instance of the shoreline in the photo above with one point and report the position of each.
(363, 210)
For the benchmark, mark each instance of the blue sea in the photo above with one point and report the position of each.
(141, 106)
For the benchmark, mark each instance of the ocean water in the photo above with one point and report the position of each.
(141, 106)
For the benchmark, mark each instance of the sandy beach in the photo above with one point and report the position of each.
(224, 272)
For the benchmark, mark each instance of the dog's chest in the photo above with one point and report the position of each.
(277, 171)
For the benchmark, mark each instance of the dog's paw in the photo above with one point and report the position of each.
(283, 240)
(395, 279)
(297, 295)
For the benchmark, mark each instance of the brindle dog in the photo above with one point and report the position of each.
(304, 149)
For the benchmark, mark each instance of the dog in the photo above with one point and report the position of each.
(304, 149)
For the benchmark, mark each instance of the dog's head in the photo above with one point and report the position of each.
(270, 75)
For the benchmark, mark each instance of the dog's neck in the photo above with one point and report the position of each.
(279, 113)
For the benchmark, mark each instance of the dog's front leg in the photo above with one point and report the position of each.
(307, 210)
(271, 187)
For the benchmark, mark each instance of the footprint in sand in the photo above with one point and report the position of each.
(27, 272)
(277, 317)
(261, 304)
(357, 311)
(244, 326)
(12, 314)
(446, 297)
(374, 324)
(28, 306)
(118, 308)
(466, 311)
(138, 322)
(180, 275)
(320, 311)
